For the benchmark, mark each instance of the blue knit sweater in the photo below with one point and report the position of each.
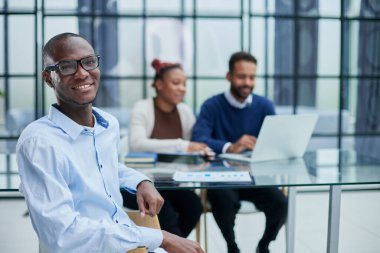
(219, 122)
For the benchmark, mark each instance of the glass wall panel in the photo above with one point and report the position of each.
(369, 48)
(362, 48)
(130, 47)
(3, 162)
(282, 90)
(219, 7)
(9, 181)
(208, 88)
(367, 145)
(364, 103)
(189, 97)
(350, 101)
(170, 40)
(217, 39)
(151, 92)
(20, 5)
(348, 143)
(8, 145)
(351, 48)
(322, 142)
(329, 8)
(70, 6)
(171, 7)
(259, 44)
(188, 7)
(24, 86)
(307, 47)
(308, 7)
(327, 106)
(21, 111)
(259, 7)
(130, 92)
(280, 7)
(2, 105)
(364, 8)
(281, 50)
(50, 97)
(327, 94)
(259, 86)
(57, 25)
(328, 47)
(130, 7)
(2, 40)
(21, 44)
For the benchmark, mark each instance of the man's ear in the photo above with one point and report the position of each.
(47, 78)
(228, 76)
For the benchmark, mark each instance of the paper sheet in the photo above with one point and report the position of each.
(214, 176)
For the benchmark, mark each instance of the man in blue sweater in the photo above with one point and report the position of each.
(230, 122)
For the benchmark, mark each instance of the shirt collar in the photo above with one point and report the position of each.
(236, 103)
(69, 126)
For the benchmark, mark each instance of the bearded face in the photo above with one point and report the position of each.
(242, 79)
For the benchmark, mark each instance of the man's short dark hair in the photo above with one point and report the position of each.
(48, 50)
(240, 56)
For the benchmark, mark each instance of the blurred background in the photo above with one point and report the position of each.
(314, 56)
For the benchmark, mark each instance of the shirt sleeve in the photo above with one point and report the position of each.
(59, 226)
(203, 129)
(130, 178)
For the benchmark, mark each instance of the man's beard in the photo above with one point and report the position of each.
(237, 91)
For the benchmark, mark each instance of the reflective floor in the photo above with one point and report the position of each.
(359, 230)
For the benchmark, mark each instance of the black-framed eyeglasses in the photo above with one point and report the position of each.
(69, 67)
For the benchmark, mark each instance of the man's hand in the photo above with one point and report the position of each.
(148, 199)
(245, 142)
(173, 243)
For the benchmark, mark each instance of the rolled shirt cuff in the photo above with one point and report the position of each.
(152, 238)
(226, 146)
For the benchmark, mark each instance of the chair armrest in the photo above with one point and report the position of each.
(138, 250)
(146, 221)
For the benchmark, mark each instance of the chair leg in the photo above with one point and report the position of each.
(205, 210)
(205, 226)
(198, 231)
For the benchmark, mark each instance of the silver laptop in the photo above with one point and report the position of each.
(280, 137)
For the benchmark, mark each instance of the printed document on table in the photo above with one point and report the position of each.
(213, 176)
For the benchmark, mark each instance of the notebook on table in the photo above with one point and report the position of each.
(280, 137)
(140, 160)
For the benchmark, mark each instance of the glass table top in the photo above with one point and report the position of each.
(321, 167)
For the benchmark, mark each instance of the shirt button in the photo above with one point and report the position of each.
(101, 165)
(109, 195)
(117, 221)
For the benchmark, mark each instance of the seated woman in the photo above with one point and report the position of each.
(163, 124)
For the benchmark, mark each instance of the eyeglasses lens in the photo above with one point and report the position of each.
(67, 67)
(90, 63)
(70, 67)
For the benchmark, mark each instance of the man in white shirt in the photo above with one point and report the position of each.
(69, 169)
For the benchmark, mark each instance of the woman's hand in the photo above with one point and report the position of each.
(202, 149)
